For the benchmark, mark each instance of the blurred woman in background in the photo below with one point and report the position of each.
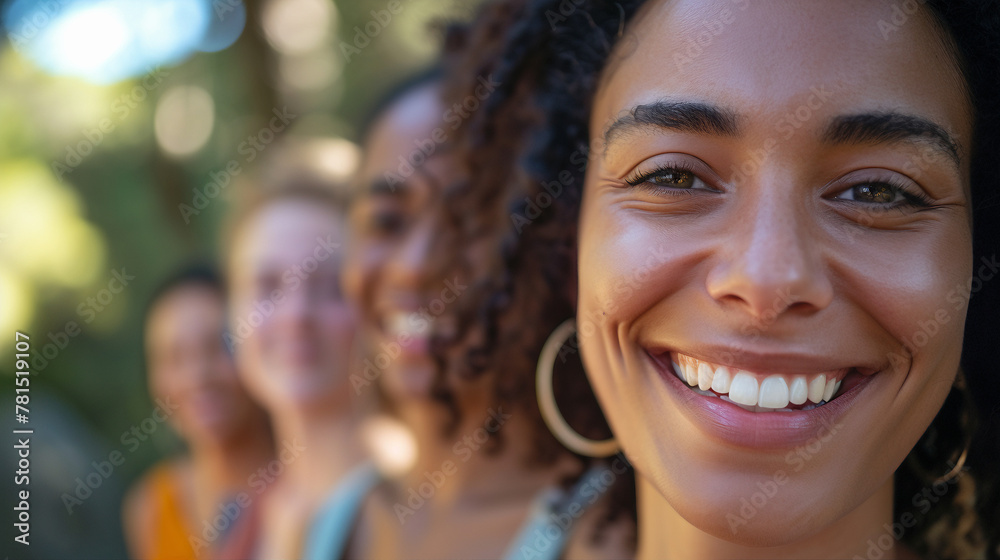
(488, 481)
(293, 334)
(774, 268)
(174, 511)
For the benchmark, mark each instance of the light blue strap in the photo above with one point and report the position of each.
(331, 527)
(544, 533)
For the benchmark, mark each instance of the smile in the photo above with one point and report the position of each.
(410, 330)
(758, 391)
(740, 405)
(407, 324)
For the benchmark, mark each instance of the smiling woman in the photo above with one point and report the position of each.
(770, 231)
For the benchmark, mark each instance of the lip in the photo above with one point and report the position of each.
(727, 422)
(784, 363)
(413, 347)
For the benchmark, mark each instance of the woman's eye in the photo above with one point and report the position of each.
(675, 178)
(386, 222)
(873, 193)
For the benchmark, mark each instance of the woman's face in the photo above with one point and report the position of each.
(777, 204)
(293, 331)
(189, 366)
(393, 228)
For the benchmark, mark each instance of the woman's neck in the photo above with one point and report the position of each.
(316, 447)
(221, 469)
(227, 463)
(459, 464)
(665, 535)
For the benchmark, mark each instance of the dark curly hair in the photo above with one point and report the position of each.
(530, 137)
(513, 383)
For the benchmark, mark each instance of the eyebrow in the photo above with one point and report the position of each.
(864, 128)
(679, 116)
(889, 128)
(382, 187)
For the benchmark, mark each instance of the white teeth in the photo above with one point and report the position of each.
(828, 392)
(743, 406)
(817, 387)
(770, 394)
(773, 392)
(798, 393)
(705, 393)
(832, 386)
(723, 377)
(397, 324)
(744, 389)
(690, 375)
(704, 376)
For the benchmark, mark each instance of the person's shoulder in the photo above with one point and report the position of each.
(141, 502)
(168, 472)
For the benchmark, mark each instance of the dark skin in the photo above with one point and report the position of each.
(480, 507)
(826, 251)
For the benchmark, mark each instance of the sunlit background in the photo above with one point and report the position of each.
(114, 114)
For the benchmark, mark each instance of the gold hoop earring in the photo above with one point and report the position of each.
(963, 388)
(959, 464)
(956, 468)
(547, 400)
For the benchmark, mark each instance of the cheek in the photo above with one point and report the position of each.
(251, 366)
(165, 381)
(628, 264)
(916, 291)
(339, 321)
(356, 273)
(225, 369)
(361, 271)
(622, 273)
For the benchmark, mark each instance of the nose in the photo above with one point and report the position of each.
(203, 368)
(772, 262)
(297, 308)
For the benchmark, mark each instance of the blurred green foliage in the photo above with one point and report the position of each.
(64, 230)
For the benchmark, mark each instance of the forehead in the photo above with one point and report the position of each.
(285, 233)
(764, 59)
(408, 124)
(185, 310)
(410, 144)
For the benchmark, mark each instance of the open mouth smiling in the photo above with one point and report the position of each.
(757, 391)
(760, 408)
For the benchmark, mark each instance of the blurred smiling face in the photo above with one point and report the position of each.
(771, 222)
(295, 331)
(189, 365)
(393, 230)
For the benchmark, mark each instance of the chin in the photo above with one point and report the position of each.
(409, 383)
(765, 515)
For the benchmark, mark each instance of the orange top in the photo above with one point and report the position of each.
(170, 539)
